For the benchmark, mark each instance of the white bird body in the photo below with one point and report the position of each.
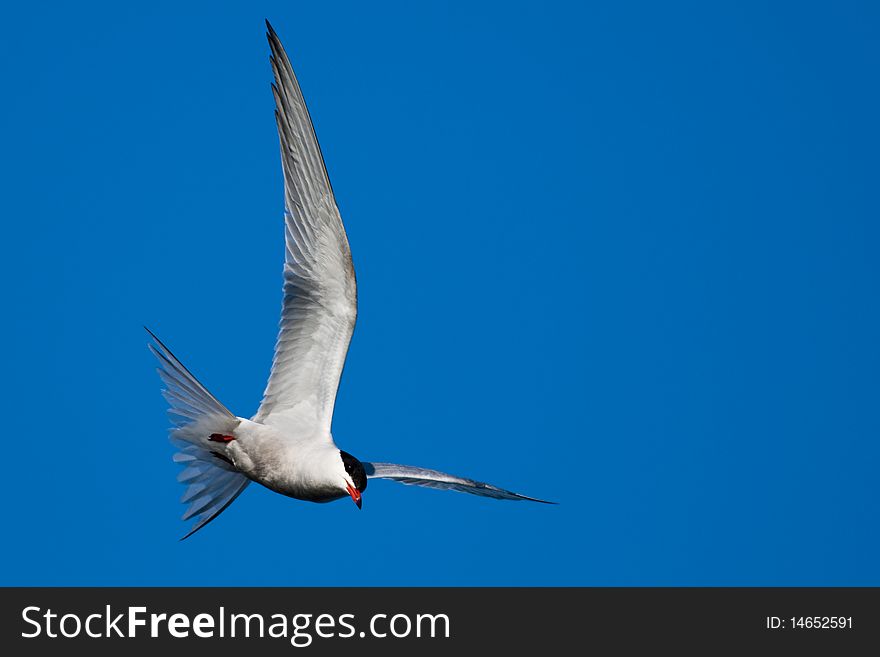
(301, 465)
(288, 446)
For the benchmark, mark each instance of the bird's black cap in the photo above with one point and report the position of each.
(355, 470)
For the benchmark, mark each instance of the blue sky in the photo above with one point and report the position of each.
(621, 256)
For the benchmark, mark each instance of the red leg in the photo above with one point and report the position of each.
(220, 438)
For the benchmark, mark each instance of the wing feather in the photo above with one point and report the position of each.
(319, 305)
(413, 476)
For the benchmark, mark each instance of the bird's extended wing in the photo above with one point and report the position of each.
(407, 474)
(320, 293)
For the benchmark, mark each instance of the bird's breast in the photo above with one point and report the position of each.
(302, 469)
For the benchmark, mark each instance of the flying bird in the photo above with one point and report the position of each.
(288, 446)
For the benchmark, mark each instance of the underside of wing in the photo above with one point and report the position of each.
(320, 293)
(413, 476)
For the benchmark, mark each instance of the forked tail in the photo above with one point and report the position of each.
(212, 482)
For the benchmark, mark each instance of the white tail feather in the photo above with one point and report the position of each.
(212, 482)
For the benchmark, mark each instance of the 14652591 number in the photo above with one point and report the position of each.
(821, 622)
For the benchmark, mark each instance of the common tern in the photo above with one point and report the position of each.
(288, 446)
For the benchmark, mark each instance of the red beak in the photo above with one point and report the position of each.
(355, 495)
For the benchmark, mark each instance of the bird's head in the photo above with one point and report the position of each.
(355, 477)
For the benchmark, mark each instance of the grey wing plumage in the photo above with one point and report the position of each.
(320, 292)
(413, 476)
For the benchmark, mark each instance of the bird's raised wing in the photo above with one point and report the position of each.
(407, 474)
(320, 292)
